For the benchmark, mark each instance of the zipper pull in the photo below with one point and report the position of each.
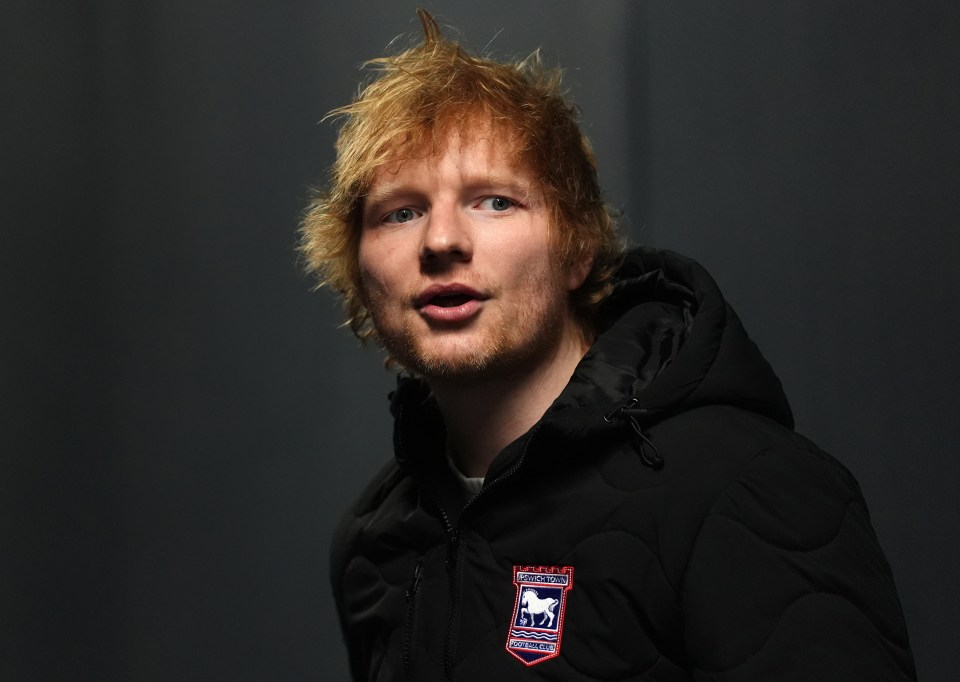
(646, 448)
(408, 638)
(415, 581)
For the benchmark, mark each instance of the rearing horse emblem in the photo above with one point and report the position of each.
(537, 625)
(532, 605)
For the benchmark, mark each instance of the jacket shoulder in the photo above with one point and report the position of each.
(785, 574)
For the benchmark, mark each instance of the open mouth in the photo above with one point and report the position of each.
(447, 296)
(449, 300)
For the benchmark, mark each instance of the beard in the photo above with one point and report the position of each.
(507, 338)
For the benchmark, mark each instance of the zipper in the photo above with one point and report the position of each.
(414, 587)
(453, 549)
(452, 557)
(454, 613)
(411, 595)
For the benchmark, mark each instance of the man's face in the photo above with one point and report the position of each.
(456, 263)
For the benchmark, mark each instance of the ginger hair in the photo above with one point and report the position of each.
(419, 97)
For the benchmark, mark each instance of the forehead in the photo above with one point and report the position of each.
(473, 151)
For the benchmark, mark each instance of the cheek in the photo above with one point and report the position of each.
(370, 286)
(535, 261)
(370, 261)
(382, 281)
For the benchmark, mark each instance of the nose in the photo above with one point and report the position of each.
(446, 238)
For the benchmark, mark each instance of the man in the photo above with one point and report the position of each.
(596, 475)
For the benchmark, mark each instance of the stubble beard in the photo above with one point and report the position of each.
(524, 333)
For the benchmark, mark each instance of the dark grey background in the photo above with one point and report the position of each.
(182, 420)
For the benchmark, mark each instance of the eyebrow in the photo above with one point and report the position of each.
(511, 185)
(388, 192)
(371, 202)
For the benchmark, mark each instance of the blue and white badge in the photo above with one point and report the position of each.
(537, 626)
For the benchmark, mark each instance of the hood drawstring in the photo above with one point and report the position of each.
(646, 448)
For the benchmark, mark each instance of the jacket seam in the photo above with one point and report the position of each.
(710, 512)
(846, 511)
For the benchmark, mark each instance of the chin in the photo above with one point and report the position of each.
(452, 363)
(449, 359)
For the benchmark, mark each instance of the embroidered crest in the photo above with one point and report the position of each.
(537, 625)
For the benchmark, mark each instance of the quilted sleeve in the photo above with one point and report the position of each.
(357, 586)
(786, 580)
(342, 551)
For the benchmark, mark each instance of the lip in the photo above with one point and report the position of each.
(431, 310)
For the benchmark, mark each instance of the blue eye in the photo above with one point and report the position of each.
(496, 203)
(401, 215)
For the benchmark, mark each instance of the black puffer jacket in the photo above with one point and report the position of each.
(701, 538)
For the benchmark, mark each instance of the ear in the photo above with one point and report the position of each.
(578, 271)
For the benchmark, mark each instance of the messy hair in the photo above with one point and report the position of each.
(420, 96)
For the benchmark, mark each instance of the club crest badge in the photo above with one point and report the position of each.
(537, 625)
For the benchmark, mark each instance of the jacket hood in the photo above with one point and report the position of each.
(668, 342)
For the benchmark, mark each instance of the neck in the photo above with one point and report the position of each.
(485, 415)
